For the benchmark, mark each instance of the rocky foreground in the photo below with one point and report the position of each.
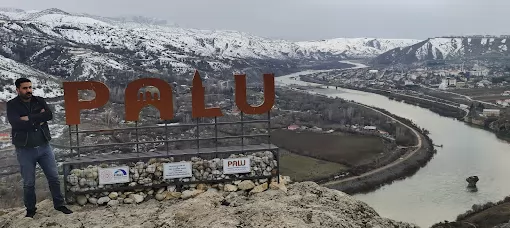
(304, 204)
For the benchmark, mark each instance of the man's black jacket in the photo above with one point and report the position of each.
(36, 119)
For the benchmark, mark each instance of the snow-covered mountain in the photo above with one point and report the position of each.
(355, 47)
(447, 49)
(74, 46)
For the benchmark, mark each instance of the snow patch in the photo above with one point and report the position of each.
(57, 130)
(59, 20)
(44, 84)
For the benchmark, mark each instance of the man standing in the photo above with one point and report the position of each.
(28, 116)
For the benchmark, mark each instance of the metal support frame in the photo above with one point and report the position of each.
(166, 138)
(138, 155)
(137, 142)
(216, 133)
(242, 131)
(77, 142)
(198, 135)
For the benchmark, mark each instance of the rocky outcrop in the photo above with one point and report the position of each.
(472, 181)
(303, 204)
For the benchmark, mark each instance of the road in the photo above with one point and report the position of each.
(437, 102)
(421, 98)
(461, 95)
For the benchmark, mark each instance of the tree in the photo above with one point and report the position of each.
(481, 106)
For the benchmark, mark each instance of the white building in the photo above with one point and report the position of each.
(504, 103)
(408, 82)
(491, 112)
(441, 73)
(370, 128)
(479, 71)
(448, 82)
(452, 81)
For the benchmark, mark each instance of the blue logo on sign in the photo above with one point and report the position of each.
(120, 173)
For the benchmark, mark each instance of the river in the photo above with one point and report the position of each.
(437, 192)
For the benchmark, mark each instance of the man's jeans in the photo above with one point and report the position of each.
(27, 158)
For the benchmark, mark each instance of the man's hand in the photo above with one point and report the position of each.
(25, 118)
(42, 110)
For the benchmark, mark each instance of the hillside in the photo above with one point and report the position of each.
(10, 70)
(303, 204)
(447, 48)
(114, 50)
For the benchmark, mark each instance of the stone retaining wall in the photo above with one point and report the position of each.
(137, 196)
(149, 176)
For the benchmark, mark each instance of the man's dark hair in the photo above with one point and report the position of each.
(21, 80)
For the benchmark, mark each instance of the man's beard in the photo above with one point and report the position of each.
(26, 96)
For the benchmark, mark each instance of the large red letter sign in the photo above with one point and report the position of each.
(269, 95)
(135, 102)
(73, 105)
(198, 108)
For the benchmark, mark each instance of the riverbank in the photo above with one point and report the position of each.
(401, 168)
(441, 108)
(487, 215)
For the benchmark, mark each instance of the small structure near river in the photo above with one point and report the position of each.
(472, 180)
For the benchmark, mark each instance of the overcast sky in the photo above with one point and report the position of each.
(307, 20)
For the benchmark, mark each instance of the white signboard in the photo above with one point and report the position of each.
(115, 175)
(177, 170)
(236, 165)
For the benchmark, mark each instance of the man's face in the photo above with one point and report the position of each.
(25, 90)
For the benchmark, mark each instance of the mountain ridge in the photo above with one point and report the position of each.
(447, 48)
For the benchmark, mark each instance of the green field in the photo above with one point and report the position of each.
(309, 155)
(350, 150)
(302, 168)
